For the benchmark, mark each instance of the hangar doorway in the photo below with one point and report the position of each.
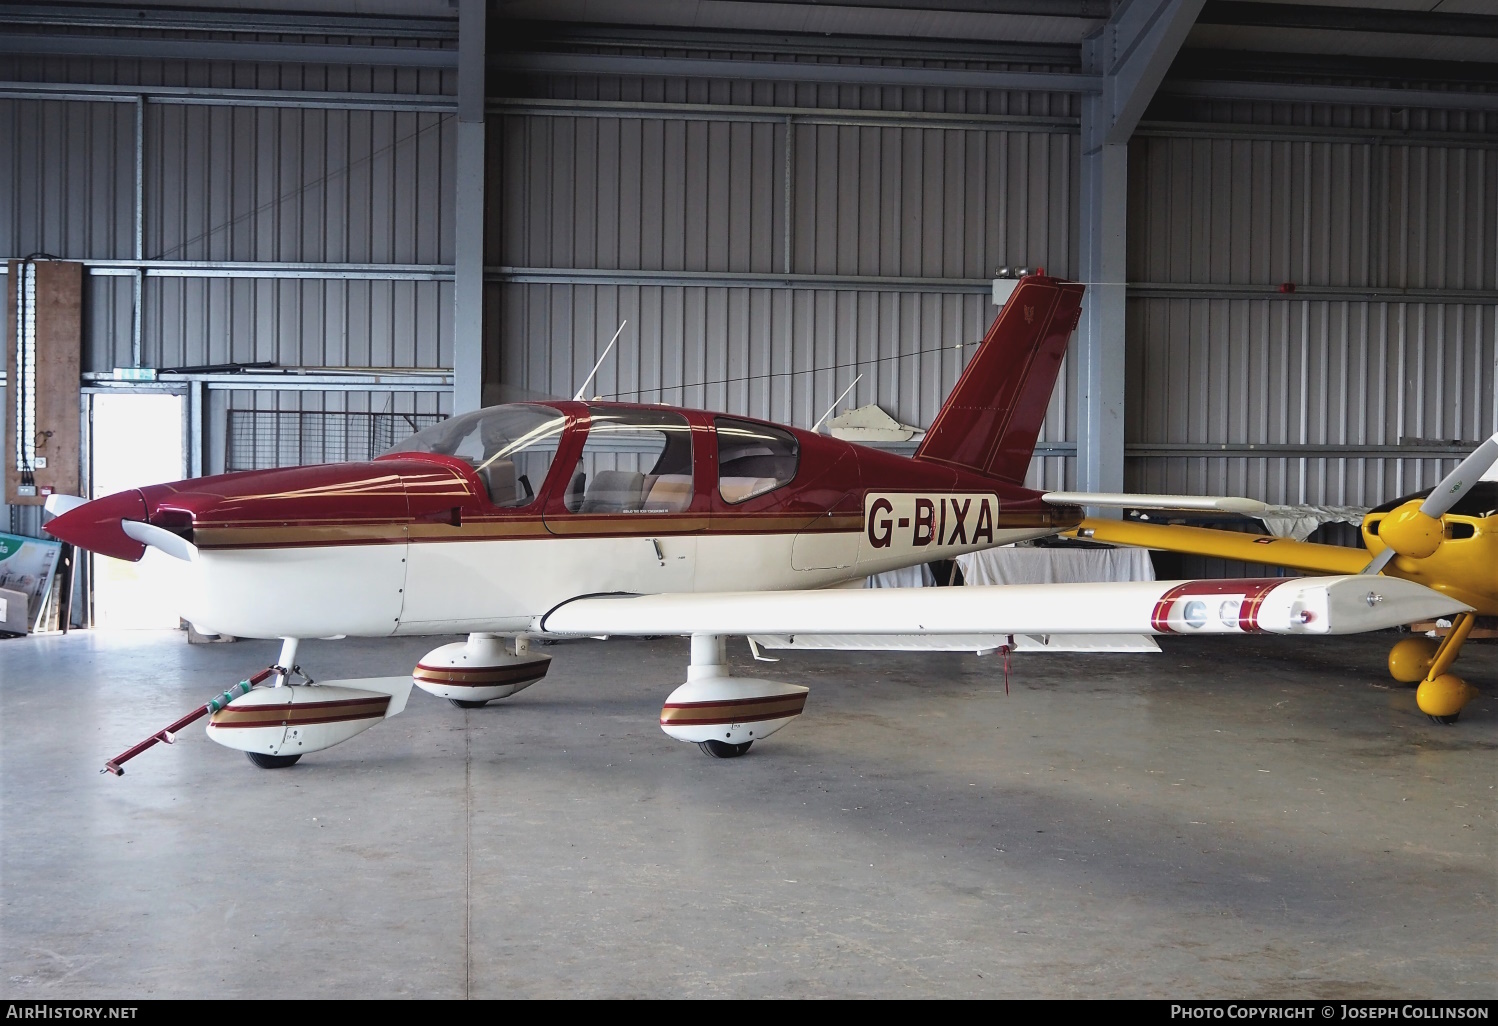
(135, 439)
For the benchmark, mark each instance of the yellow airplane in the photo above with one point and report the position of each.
(1445, 538)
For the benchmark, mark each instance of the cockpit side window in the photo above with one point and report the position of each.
(634, 461)
(510, 448)
(753, 459)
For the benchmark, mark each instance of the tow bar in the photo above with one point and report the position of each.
(168, 734)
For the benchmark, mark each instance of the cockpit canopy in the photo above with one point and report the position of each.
(635, 460)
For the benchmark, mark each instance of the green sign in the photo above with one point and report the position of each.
(27, 566)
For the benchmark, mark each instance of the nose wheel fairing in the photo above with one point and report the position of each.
(1441, 695)
(294, 720)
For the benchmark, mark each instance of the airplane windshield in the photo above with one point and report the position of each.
(511, 447)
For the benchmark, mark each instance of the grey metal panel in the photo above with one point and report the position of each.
(244, 183)
(1314, 212)
(1367, 213)
(253, 184)
(930, 203)
(107, 322)
(1306, 372)
(300, 322)
(657, 194)
(1317, 480)
(67, 177)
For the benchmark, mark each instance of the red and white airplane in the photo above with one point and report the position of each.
(587, 518)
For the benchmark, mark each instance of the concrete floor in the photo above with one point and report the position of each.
(1235, 817)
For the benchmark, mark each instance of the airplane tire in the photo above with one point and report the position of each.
(273, 761)
(722, 749)
(1446, 720)
(465, 703)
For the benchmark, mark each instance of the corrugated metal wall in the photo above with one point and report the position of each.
(591, 191)
(274, 183)
(249, 184)
(281, 182)
(1328, 212)
(67, 172)
(676, 220)
(912, 218)
(1321, 371)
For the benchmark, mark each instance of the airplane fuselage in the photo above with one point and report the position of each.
(426, 542)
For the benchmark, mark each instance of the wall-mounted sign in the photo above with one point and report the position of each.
(27, 565)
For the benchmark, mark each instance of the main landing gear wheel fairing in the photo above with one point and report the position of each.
(722, 749)
(272, 761)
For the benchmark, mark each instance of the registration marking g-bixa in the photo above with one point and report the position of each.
(944, 524)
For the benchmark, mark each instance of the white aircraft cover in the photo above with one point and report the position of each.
(1299, 605)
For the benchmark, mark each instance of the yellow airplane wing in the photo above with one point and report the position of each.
(1249, 548)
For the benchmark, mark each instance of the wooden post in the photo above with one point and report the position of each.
(59, 344)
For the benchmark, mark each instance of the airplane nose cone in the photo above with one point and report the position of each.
(1410, 532)
(96, 525)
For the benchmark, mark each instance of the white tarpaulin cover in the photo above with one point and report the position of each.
(1023, 565)
(1300, 521)
(905, 577)
(1014, 565)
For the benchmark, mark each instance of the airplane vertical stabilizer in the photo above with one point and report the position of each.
(991, 420)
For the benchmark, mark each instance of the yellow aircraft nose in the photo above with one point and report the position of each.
(1411, 533)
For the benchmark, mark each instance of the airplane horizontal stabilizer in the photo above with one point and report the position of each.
(1217, 503)
(1278, 605)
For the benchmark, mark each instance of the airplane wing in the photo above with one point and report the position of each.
(1279, 605)
(982, 644)
(1206, 541)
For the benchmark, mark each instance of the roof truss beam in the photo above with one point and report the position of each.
(1131, 55)
(39, 44)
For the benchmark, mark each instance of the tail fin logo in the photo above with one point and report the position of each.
(1029, 315)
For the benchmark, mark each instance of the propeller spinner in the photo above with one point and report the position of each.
(1417, 531)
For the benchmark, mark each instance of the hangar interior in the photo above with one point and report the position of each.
(307, 229)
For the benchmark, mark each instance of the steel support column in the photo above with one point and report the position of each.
(1100, 341)
(468, 255)
(1130, 54)
(138, 292)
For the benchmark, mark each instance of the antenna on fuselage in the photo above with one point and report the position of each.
(591, 374)
(835, 403)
